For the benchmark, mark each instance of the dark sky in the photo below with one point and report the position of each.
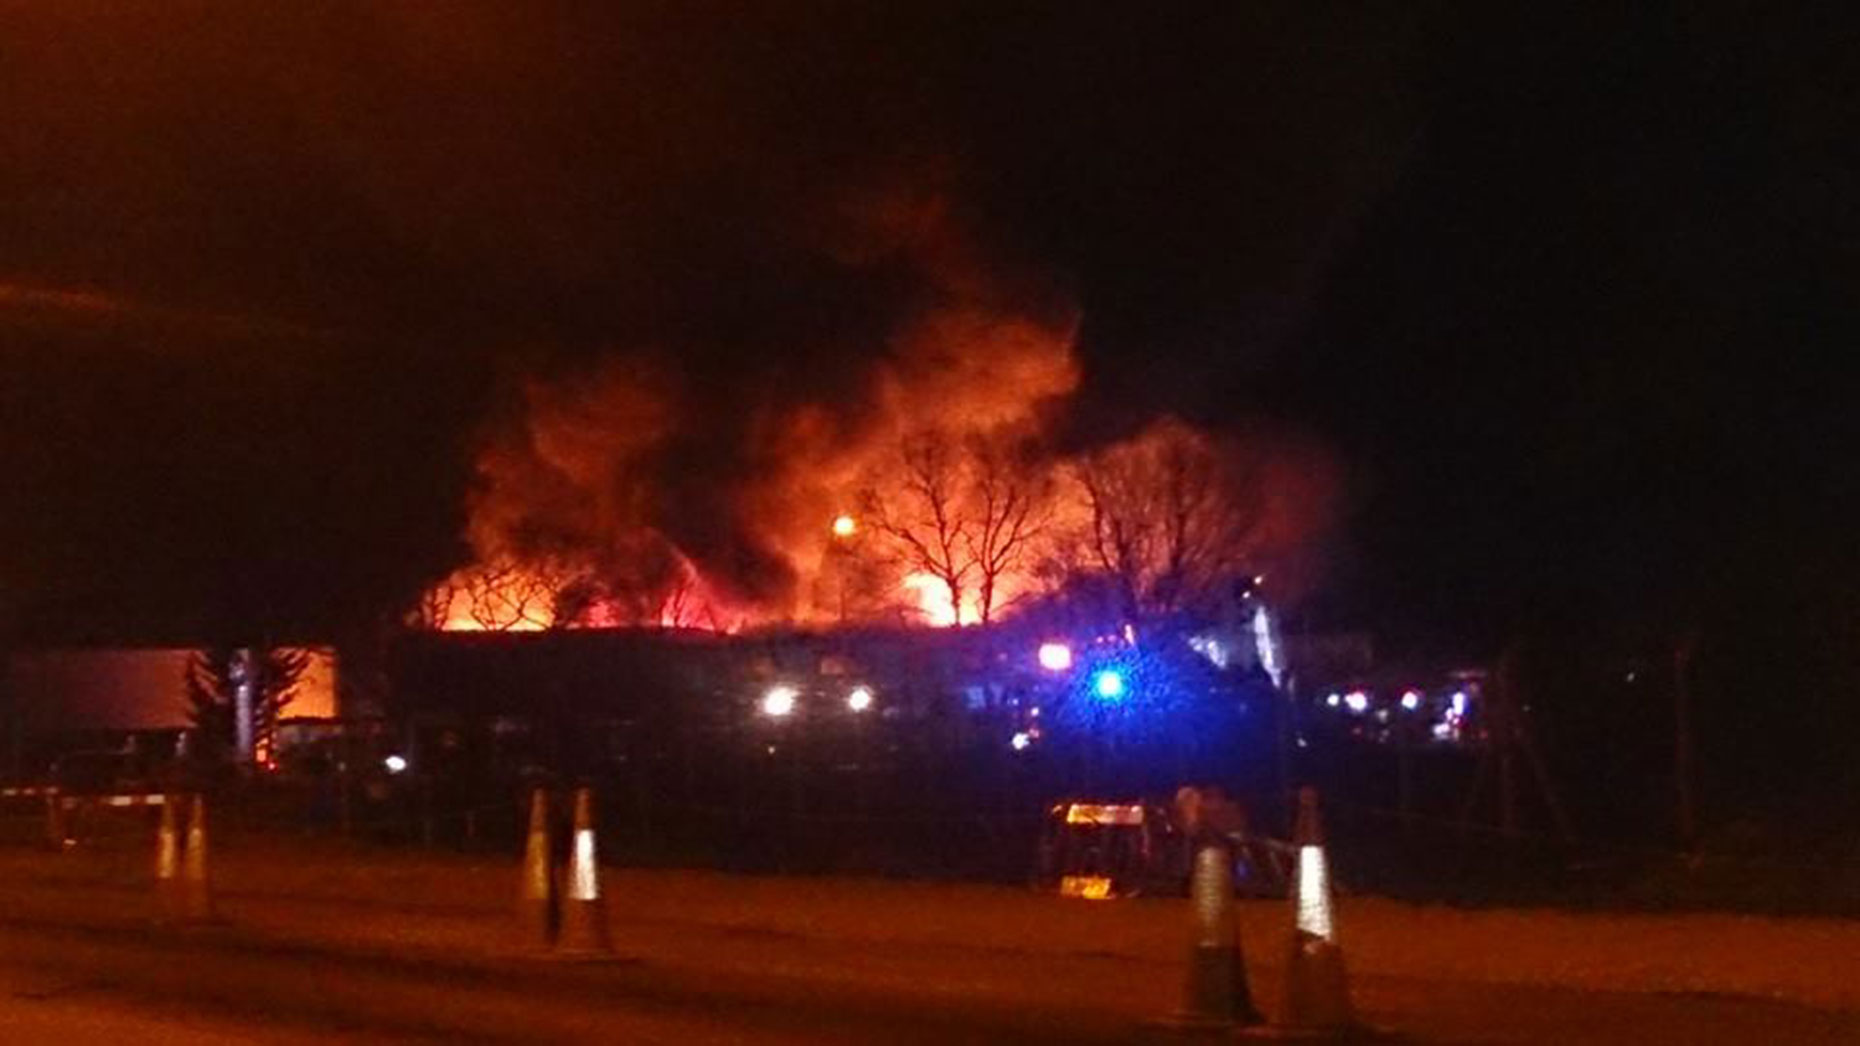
(1563, 294)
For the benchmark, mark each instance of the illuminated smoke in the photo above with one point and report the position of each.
(648, 489)
(621, 494)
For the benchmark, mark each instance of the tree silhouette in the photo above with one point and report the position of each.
(964, 512)
(1174, 518)
(215, 678)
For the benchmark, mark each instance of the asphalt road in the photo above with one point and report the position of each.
(115, 985)
(381, 958)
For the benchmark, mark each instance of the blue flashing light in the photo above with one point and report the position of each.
(1108, 683)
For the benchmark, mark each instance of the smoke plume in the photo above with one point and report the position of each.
(634, 489)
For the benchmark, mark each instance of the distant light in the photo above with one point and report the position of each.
(1459, 704)
(1209, 647)
(395, 763)
(1334, 700)
(1411, 699)
(1266, 642)
(1020, 741)
(1108, 683)
(1105, 814)
(1357, 700)
(779, 701)
(859, 699)
(845, 526)
(1055, 657)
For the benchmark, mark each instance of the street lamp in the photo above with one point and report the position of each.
(844, 527)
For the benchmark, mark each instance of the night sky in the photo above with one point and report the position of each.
(1567, 297)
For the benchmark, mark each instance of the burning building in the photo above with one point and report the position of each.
(906, 480)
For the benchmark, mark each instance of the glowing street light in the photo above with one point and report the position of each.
(1055, 657)
(779, 701)
(845, 526)
(859, 699)
(395, 763)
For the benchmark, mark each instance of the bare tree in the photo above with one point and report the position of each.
(924, 516)
(434, 606)
(500, 596)
(1009, 504)
(965, 512)
(1173, 518)
(505, 597)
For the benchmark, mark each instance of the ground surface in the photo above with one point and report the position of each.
(325, 942)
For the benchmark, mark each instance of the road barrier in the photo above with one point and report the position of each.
(582, 932)
(168, 864)
(196, 875)
(1316, 998)
(536, 893)
(63, 812)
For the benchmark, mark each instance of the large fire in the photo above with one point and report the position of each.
(920, 492)
(1162, 520)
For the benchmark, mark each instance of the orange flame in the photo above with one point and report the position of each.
(568, 521)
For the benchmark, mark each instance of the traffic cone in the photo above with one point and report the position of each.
(536, 893)
(583, 930)
(1317, 993)
(196, 882)
(168, 861)
(1216, 994)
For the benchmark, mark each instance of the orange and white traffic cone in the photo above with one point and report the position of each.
(583, 930)
(168, 861)
(536, 893)
(1317, 993)
(1216, 994)
(196, 879)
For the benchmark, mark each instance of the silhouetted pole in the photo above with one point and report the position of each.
(1685, 811)
(1286, 710)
